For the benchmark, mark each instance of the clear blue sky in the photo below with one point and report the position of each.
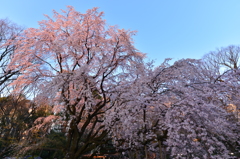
(166, 28)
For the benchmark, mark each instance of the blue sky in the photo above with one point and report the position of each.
(166, 28)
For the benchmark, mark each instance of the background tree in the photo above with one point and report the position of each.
(8, 32)
(225, 62)
(223, 59)
(9, 129)
(15, 119)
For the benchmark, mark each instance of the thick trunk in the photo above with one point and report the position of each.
(73, 140)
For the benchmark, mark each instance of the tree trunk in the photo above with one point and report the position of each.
(160, 149)
(146, 152)
(73, 140)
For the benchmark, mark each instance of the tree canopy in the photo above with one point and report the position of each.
(90, 92)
